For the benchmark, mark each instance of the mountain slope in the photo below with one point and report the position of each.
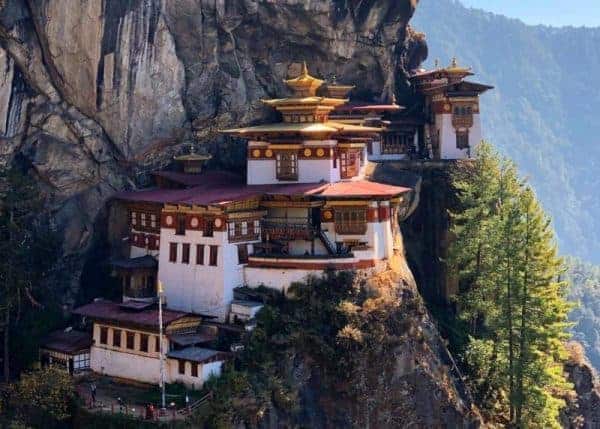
(544, 110)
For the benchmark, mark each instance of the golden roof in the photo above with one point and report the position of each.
(304, 83)
(330, 127)
(192, 157)
(305, 101)
(455, 68)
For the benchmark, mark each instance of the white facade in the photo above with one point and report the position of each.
(205, 371)
(447, 133)
(263, 171)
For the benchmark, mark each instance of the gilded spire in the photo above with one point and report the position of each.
(304, 72)
(304, 85)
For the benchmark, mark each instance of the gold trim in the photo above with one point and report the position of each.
(346, 203)
(247, 215)
(351, 145)
(292, 204)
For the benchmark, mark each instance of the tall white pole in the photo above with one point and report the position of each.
(161, 347)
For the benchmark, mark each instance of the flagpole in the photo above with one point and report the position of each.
(161, 348)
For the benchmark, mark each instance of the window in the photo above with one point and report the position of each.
(130, 340)
(143, 219)
(462, 139)
(214, 252)
(257, 227)
(244, 228)
(199, 254)
(351, 221)
(349, 164)
(185, 253)
(81, 361)
(157, 344)
(209, 224)
(103, 335)
(395, 144)
(117, 338)
(153, 220)
(144, 343)
(172, 252)
(231, 229)
(287, 166)
(242, 253)
(180, 228)
(181, 366)
(194, 369)
(133, 218)
(150, 283)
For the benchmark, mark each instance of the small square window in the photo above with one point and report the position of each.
(181, 366)
(130, 340)
(103, 335)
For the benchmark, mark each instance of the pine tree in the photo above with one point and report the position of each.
(28, 249)
(506, 259)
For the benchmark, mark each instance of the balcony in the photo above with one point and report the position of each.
(288, 229)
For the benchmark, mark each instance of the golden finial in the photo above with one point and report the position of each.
(304, 72)
(454, 63)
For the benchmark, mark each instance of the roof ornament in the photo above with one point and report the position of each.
(454, 63)
(304, 72)
(436, 64)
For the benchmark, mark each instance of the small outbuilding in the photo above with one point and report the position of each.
(67, 349)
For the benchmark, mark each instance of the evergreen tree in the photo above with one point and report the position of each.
(506, 260)
(28, 250)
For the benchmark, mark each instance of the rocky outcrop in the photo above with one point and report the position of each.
(583, 410)
(93, 94)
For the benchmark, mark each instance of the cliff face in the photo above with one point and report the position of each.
(94, 94)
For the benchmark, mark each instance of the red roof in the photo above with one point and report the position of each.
(207, 178)
(113, 312)
(217, 194)
(67, 341)
(361, 188)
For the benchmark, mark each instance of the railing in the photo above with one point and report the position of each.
(288, 229)
(196, 404)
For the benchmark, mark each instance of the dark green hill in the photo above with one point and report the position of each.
(544, 113)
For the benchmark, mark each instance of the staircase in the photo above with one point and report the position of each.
(331, 248)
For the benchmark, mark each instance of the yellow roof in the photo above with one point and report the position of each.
(313, 100)
(304, 128)
(304, 82)
(455, 68)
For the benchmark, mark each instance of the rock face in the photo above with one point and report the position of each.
(95, 93)
(583, 411)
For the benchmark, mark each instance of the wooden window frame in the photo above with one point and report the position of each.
(195, 369)
(242, 250)
(180, 224)
(351, 221)
(144, 343)
(286, 165)
(181, 367)
(462, 140)
(199, 254)
(130, 340)
(213, 259)
(117, 337)
(103, 335)
(185, 253)
(173, 252)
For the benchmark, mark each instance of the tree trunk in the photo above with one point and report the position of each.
(522, 351)
(6, 354)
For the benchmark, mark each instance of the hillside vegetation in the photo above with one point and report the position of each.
(543, 113)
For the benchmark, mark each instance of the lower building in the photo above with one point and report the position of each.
(67, 349)
(126, 343)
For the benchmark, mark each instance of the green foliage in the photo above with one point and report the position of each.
(42, 398)
(585, 291)
(338, 325)
(511, 296)
(28, 253)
